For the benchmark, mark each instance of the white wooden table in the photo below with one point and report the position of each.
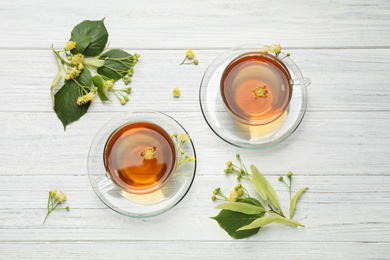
(341, 150)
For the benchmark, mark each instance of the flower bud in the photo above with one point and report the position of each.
(187, 155)
(69, 58)
(280, 178)
(67, 207)
(123, 101)
(237, 155)
(213, 197)
(225, 171)
(215, 192)
(196, 62)
(126, 98)
(289, 175)
(175, 134)
(229, 163)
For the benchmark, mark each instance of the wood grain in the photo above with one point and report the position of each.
(201, 24)
(341, 149)
(195, 250)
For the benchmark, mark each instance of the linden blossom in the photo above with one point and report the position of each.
(241, 212)
(190, 55)
(148, 153)
(86, 53)
(55, 199)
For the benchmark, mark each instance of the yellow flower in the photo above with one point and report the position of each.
(71, 45)
(233, 196)
(273, 48)
(73, 73)
(184, 137)
(176, 92)
(86, 98)
(60, 196)
(192, 159)
(260, 92)
(264, 49)
(278, 48)
(77, 59)
(148, 153)
(109, 84)
(190, 54)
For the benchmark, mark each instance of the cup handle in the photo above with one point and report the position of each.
(306, 81)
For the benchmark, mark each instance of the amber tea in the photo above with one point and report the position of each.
(140, 157)
(256, 88)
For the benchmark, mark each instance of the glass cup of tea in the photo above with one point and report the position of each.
(134, 160)
(140, 157)
(256, 90)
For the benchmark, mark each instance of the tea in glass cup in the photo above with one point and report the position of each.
(140, 157)
(256, 90)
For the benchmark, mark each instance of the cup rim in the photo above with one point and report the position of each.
(154, 187)
(245, 120)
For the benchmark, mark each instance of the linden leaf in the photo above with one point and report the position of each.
(294, 200)
(55, 82)
(66, 106)
(82, 41)
(241, 207)
(98, 82)
(113, 67)
(230, 221)
(270, 219)
(98, 33)
(263, 187)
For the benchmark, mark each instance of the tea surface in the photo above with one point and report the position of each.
(256, 87)
(139, 156)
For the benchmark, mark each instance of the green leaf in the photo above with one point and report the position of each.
(263, 187)
(98, 33)
(85, 78)
(99, 83)
(55, 82)
(66, 106)
(270, 219)
(241, 207)
(114, 69)
(94, 62)
(230, 221)
(294, 200)
(82, 41)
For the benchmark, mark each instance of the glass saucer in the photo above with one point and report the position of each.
(239, 134)
(139, 205)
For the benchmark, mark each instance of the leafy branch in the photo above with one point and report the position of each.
(85, 53)
(242, 215)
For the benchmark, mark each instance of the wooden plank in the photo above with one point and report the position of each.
(326, 143)
(195, 250)
(335, 208)
(337, 80)
(202, 24)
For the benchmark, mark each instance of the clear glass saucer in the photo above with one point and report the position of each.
(243, 135)
(139, 205)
